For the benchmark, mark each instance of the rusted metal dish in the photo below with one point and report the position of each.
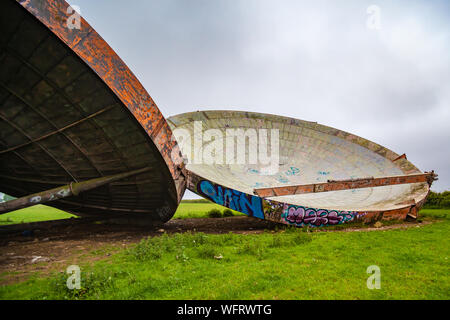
(325, 176)
(72, 111)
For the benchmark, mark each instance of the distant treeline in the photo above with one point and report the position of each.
(196, 201)
(438, 200)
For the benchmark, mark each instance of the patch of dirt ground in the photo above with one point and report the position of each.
(47, 247)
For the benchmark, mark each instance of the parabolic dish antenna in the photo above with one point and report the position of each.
(76, 126)
(79, 132)
(323, 176)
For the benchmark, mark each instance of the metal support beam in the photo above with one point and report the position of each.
(58, 130)
(71, 189)
(335, 185)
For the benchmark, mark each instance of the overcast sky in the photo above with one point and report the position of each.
(314, 60)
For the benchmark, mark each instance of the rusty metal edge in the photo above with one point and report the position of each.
(338, 185)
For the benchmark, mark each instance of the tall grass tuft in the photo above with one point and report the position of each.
(227, 213)
(214, 213)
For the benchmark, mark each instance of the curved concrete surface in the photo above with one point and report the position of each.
(308, 153)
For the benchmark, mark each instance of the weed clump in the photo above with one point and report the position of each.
(214, 213)
(151, 248)
(253, 248)
(279, 241)
(227, 213)
(92, 286)
(208, 252)
(299, 238)
(290, 238)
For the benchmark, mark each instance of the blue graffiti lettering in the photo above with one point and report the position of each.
(233, 199)
(292, 171)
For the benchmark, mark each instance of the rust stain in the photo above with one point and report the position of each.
(403, 156)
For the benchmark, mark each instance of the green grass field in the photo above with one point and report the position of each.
(197, 210)
(44, 213)
(184, 211)
(33, 214)
(286, 264)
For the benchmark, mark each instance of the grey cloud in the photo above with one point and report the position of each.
(310, 60)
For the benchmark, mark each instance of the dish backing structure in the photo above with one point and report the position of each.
(79, 132)
(76, 126)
